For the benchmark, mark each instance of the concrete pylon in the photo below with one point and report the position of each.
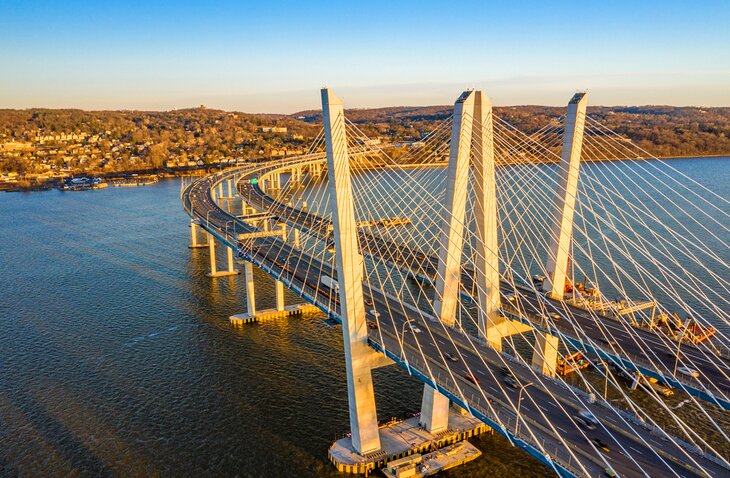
(448, 279)
(194, 232)
(567, 190)
(250, 290)
(545, 354)
(435, 406)
(349, 264)
(211, 253)
(213, 266)
(485, 211)
(279, 296)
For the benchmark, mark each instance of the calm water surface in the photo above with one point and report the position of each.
(116, 356)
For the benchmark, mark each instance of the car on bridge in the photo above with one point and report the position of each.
(471, 378)
(451, 357)
(582, 422)
(601, 445)
(690, 372)
(505, 371)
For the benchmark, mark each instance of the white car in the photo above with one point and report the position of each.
(375, 313)
(688, 371)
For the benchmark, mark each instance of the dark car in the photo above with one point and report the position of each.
(511, 382)
(601, 445)
(471, 378)
(583, 423)
(505, 371)
(451, 357)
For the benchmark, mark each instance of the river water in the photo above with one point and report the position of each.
(117, 358)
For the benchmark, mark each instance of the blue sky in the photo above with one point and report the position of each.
(274, 56)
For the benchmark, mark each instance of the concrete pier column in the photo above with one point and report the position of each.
(435, 407)
(213, 266)
(231, 264)
(349, 266)
(545, 355)
(194, 233)
(250, 290)
(220, 190)
(230, 188)
(279, 295)
(295, 237)
(211, 252)
(567, 190)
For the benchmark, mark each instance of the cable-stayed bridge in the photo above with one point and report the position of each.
(469, 280)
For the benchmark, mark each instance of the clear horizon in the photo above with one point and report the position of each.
(260, 58)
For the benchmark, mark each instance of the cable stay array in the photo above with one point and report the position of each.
(643, 313)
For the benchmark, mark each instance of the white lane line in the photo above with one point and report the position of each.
(562, 430)
(637, 451)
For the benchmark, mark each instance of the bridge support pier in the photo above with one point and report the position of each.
(566, 192)
(435, 406)
(213, 267)
(434, 410)
(349, 265)
(545, 354)
(194, 233)
(279, 295)
(485, 211)
(250, 290)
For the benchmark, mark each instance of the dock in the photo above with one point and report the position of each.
(417, 465)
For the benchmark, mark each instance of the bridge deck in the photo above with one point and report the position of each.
(636, 448)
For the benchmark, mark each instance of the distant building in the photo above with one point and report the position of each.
(272, 129)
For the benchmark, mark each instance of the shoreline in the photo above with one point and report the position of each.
(54, 183)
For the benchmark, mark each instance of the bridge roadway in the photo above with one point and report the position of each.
(629, 455)
(584, 330)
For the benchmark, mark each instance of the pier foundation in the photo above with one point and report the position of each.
(400, 439)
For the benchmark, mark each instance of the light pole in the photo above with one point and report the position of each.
(234, 227)
(403, 328)
(402, 343)
(519, 402)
